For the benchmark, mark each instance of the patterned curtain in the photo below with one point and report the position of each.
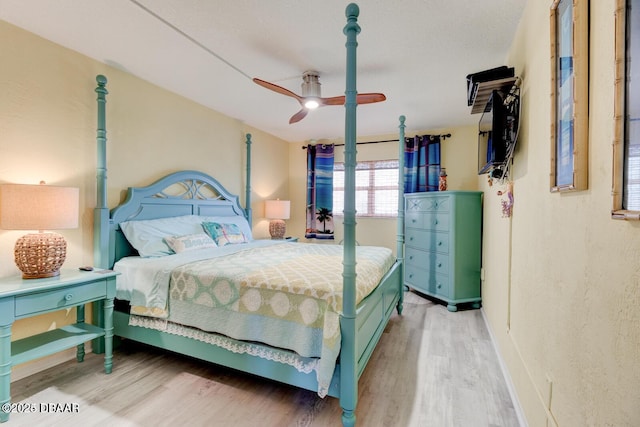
(319, 192)
(421, 163)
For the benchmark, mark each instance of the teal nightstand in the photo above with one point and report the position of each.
(21, 298)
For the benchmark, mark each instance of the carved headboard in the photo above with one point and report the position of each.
(180, 193)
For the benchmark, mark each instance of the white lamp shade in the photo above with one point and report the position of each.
(38, 207)
(277, 209)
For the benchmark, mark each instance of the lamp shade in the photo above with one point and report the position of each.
(277, 209)
(38, 207)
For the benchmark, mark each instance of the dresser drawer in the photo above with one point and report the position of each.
(428, 221)
(415, 276)
(433, 203)
(431, 261)
(431, 283)
(59, 298)
(438, 284)
(423, 239)
(414, 219)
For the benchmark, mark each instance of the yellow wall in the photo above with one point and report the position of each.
(48, 132)
(458, 156)
(561, 289)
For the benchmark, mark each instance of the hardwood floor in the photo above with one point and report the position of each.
(431, 368)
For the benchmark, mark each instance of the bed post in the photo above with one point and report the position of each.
(101, 212)
(400, 239)
(348, 360)
(247, 197)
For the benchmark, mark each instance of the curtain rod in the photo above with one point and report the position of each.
(443, 136)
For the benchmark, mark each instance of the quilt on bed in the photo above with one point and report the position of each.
(287, 295)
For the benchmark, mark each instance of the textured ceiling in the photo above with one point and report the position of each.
(417, 52)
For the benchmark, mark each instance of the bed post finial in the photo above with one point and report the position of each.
(247, 198)
(400, 233)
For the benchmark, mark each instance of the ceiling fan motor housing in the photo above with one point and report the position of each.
(310, 84)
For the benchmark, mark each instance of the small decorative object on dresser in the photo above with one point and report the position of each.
(442, 183)
(443, 245)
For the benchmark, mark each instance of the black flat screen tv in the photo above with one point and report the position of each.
(493, 136)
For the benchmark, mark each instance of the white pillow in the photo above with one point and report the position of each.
(190, 242)
(147, 236)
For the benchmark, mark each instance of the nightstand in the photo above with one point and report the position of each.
(21, 298)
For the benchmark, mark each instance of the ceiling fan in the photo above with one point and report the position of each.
(311, 98)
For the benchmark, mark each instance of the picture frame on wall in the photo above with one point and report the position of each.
(625, 190)
(569, 95)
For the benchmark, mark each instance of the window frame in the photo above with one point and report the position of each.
(371, 187)
(620, 98)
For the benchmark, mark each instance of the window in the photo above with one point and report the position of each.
(626, 182)
(376, 189)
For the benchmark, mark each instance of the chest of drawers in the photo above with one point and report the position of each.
(443, 244)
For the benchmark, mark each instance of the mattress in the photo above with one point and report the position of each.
(287, 295)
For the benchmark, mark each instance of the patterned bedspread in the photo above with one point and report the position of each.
(287, 295)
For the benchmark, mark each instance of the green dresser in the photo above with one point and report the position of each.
(443, 245)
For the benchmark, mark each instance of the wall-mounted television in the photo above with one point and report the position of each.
(493, 134)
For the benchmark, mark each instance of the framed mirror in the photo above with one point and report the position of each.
(569, 95)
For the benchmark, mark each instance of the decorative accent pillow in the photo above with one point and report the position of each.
(238, 220)
(224, 234)
(190, 242)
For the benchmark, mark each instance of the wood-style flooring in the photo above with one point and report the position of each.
(431, 368)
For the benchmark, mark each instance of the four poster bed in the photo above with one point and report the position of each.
(309, 315)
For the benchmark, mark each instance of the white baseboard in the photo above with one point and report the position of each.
(507, 377)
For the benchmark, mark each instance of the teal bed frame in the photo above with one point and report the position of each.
(196, 193)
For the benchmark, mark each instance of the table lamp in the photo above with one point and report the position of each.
(277, 211)
(39, 207)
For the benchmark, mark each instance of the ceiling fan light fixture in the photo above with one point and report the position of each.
(311, 103)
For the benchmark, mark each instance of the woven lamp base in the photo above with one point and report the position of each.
(277, 229)
(40, 255)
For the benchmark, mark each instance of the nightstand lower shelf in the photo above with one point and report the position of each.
(51, 342)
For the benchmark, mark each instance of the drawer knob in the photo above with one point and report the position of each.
(410, 275)
(411, 257)
(435, 222)
(439, 285)
(440, 243)
(68, 297)
(439, 264)
(411, 238)
(413, 220)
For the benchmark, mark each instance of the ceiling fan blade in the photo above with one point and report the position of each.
(298, 116)
(368, 98)
(278, 89)
(362, 98)
(336, 100)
